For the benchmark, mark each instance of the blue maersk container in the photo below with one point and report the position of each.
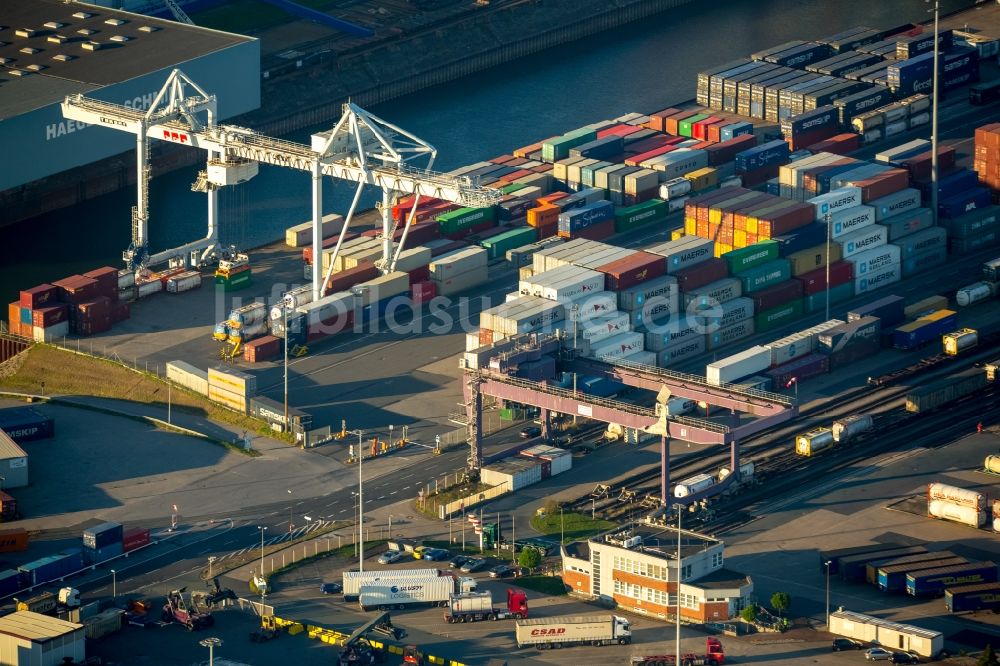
(588, 216)
(976, 198)
(770, 153)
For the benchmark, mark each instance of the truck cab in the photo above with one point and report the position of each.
(623, 629)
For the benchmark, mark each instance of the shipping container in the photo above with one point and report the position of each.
(102, 535)
(983, 596)
(977, 292)
(765, 275)
(682, 352)
(892, 577)
(933, 582)
(851, 427)
(134, 538)
(733, 368)
(777, 297)
(941, 392)
(854, 568)
(924, 329)
(26, 424)
(817, 302)
(799, 370)
(814, 441)
(888, 309)
(742, 259)
(13, 540)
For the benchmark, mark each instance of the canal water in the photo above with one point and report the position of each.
(642, 67)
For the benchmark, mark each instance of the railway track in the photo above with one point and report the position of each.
(771, 451)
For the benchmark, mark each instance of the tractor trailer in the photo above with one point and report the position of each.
(353, 580)
(403, 592)
(476, 606)
(557, 632)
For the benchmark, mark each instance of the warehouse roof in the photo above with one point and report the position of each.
(721, 579)
(9, 448)
(657, 541)
(36, 627)
(48, 61)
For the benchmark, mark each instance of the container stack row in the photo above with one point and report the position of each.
(79, 305)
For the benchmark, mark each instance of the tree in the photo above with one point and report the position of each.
(749, 614)
(781, 602)
(529, 558)
(988, 657)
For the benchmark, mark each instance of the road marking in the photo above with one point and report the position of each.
(394, 492)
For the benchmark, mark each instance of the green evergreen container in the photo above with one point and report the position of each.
(751, 256)
(775, 317)
(462, 218)
(497, 246)
(640, 215)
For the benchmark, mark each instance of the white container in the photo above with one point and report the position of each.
(958, 341)
(849, 427)
(871, 261)
(618, 346)
(799, 344)
(851, 220)
(727, 314)
(51, 333)
(663, 288)
(694, 484)
(591, 306)
(188, 376)
(329, 308)
(676, 331)
(956, 495)
(684, 252)
(248, 314)
(513, 474)
(462, 281)
(746, 472)
(471, 602)
(567, 283)
(689, 348)
(524, 315)
(835, 201)
(301, 234)
(714, 294)
(919, 119)
(679, 406)
(406, 592)
(413, 258)
(353, 580)
(894, 112)
(382, 287)
(601, 328)
(855, 243)
(459, 261)
(675, 188)
(682, 161)
(896, 203)
(144, 289)
(957, 513)
(185, 281)
(232, 380)
(735, 367)
(883, 277)
(572, 629)
(814, 441)
(472, 341)
(974, 293)
(677, 204)
(126, 278)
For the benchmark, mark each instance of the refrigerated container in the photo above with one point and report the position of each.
(743, 364)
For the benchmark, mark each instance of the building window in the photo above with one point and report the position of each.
(689, 601)
(685, 572)
(717, 560)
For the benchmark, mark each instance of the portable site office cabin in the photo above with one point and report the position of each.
(890, 635)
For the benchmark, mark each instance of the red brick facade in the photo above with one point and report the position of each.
(578, 582)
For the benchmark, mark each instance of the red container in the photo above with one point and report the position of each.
(636, 160)
(647, 144)
(120, 311)
(134, 537)
(419, 274)
(801, 369)
(371, 233)
(91, 326)
(814, 282)
(655, 121)
(861, 349)
(95, 309)
(593, 232)
(261, 349)
(548, 230)
(450, 247)
(40, 296)
(919, 166)
(633, 199)
(422, 292)
(551, 198)
(76, 289)
(631, 270)
(779, 294)
(307, 251)
(45, 317)
(344, 280)
(503, 159)
(800, 141)
(787, 220)
(332, 326)
(107, 278)
(698, 129)
(725, 151)
(402, 209)
(618, 130)
(883, 184)
(515, 161)
(841, 144)
(700, 274)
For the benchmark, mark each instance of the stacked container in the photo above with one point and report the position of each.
(957, 504)
(231, 388)
(102, 542)
(459, 271)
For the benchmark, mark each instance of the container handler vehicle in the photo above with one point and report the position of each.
(357, 650)
(176, 609)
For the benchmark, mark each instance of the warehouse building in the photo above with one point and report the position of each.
(51, 49)
(637, 568)
(33, 639)
(13, 463)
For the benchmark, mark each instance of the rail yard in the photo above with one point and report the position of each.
(746, 347)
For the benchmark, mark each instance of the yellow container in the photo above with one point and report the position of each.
(690, 227)
(739, 238)
(677, 234)
(751, 225)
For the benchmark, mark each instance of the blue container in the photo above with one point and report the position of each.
(40, 571)
(599, 149)
(26, 316)
(889, 309)
(825, 178)
(98, 555)
(734, 130)
(102, 535)
(950, 185)
(26, 424)
(907, 76)
(773, 187)
(933, 582)
(70, 560)
(968, 201)
(587, 216)
(573, 201)
(770, 153)
(10, 582)
(838, 294)
(958, 68)
(925, 261)
(800, 56)
(810, 121)
(911, 47)
(923, 334)
(802, 238)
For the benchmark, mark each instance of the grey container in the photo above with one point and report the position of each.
(922, 242)
(910, 222)
(896, 203)
(102, 535)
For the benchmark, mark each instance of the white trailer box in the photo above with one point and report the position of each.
(406, 592)
(573, 629)
(353, 580)
(746, 363)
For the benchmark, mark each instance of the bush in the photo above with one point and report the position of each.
(988, 657)
(749, 614)
(529, 558)
(781, 602)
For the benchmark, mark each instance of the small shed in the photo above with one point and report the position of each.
(891, 635)
(33, 639)
(13, 463)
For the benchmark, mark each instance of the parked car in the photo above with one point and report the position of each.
(904, 658)
(418, 552)
(502, 571)
(530, 431)
(390, 556)
(331, 588)
(877, 654)
(475, 564)
(459, 561)
(436, 554)
(846, 644)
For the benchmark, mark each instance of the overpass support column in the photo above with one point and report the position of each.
(546, 419)
(664, 468)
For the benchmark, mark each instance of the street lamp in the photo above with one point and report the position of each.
(934, 121)
(680, 508)
(827, 565)
(361, 513)
(576, 317)
(211, 561)
(262, 588)
(114, 586)
(829, 236)
(289, 512)
(562, 528)
(211, 643)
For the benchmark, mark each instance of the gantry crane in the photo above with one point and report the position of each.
(361, 148)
